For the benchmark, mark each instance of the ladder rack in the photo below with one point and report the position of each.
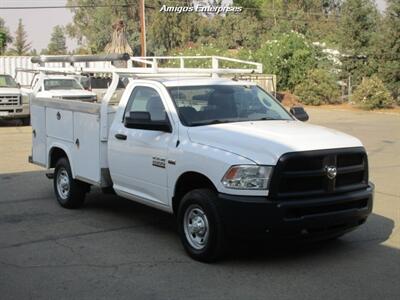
(151, 65)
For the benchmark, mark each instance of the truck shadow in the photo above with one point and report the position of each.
(112, 213)
(11, 123)
(375, 231)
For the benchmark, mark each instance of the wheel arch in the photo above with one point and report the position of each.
(55, 153)
(188, 181)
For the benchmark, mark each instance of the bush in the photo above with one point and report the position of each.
(318, 87)
(372, 94)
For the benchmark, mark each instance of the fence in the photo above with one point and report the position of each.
(8, 65)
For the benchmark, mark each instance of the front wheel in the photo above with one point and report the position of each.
(200, 226)
(70, 193)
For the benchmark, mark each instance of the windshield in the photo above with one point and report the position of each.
(6, 81)
(61, 84)
(204, 105)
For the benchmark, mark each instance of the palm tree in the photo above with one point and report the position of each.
(119, 42)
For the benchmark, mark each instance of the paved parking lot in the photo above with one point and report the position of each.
(116, 249)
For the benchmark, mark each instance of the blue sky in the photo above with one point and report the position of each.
(39, 23)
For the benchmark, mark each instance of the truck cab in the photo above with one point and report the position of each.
(13, 103)
(223, 156)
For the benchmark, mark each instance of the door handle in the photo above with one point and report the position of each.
(120, 136)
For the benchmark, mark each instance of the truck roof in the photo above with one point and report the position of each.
(185, 81)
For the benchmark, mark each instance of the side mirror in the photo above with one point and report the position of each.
(85, 82)
(299, 113)
(18, 85)
(142, 120)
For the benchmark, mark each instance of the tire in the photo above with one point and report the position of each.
(206, 241)
(70, 193)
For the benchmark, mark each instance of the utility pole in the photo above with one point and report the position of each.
(349, 89)
(142, 28)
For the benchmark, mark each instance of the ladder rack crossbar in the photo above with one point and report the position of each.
(150, 66)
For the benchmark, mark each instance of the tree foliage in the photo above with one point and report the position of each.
(387, 49)
(21, 46)
(357, 27)
(318, 87)
(92, 24)
(5, 37)
(278, 33)
(289, 57)
(57, 43)
(372, 94)
(171, 30)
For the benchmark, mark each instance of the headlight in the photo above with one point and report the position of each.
(24, 99)
(247, 177)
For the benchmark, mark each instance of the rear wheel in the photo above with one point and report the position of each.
(200, 226)
(70, 193)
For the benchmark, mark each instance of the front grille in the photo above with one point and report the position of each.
(9, 100)
(305, 174)
(82, 98)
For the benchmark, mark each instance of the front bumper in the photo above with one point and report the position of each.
(321, 217)
(14, 112)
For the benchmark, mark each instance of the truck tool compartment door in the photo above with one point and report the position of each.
(138, 157)
(38, 121)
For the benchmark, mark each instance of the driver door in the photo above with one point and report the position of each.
(138, 157)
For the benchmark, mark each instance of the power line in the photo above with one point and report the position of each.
(67, 6)
(273, 11)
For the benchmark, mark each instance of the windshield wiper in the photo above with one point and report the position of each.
(263, 119)
(210, 122)
(266, 119)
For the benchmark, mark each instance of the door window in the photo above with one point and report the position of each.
(145, 99)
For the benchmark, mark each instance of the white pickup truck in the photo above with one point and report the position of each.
(61, 86)
(13, 103)
(223, 156)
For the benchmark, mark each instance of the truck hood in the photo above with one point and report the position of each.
(265, 141)
(10, 91)
(75, 93)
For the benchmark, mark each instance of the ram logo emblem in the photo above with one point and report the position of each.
(331, 172)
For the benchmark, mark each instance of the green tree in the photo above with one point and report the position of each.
(290, 57)
(170, 30)
(357, 27)
(318, 87)
(57, 43)
(92, 25)
(372, 94)
(21, 45)
(5, 37)
(388, 49)
(236, 31)
(253, 5)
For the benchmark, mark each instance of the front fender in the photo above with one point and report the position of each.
(211, 162)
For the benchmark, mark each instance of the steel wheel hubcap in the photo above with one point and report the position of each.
(63, 184)
(196, 227)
